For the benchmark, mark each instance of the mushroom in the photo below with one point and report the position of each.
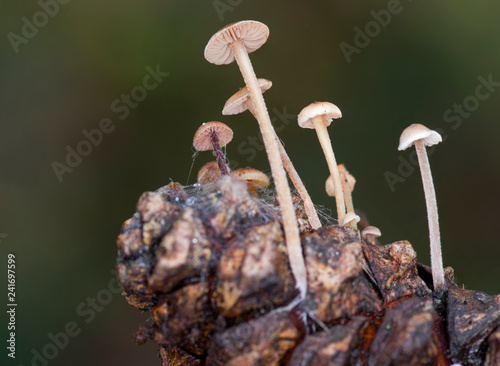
(370, 233)
(351, 219)
(239, 103)
(420, 136)
(213, 136)
(319, 116)
(253, 177)
(209, 173)
(235, 42)
(348, 182)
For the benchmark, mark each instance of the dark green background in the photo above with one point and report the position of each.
(62, 81)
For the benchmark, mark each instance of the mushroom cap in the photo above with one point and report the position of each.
(328, 110)
(417, 132)
(237, 103)
(330, 187)
(371, 230)
(252, 176)
(202, 142)
(351, 181)
(209, 173)
(350, 216)
(253, 34)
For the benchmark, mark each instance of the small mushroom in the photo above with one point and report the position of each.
(348, 182)
(213, 136)
(420, 136)
(350, 219)
(319, 116)
(209, 173)
(239, 103)
(370, 233)
(253, 177)
(235, 42)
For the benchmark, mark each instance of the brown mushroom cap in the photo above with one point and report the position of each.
(417, 132)
(202, 142)
(237, 103)
(328, 110)
(209, 173)
(252, 176)
(371, 230)
(253, 34)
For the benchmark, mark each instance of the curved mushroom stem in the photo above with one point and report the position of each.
(219, 156)
(347, 195)
(326, 145)
(432, 211)
(311, 213)
(271, 143)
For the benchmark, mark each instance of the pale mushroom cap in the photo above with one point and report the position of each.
(253, 34)
(371, 230)
(252, 176)
(351, 181)
(202, 142)
(238, 102)
(351, 216)
(209, 173)
(328, 110)
(417, 132)
(330, 187)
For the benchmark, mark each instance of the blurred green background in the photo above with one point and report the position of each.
(422, 62)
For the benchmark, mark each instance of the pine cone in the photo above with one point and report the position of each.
(211, 266)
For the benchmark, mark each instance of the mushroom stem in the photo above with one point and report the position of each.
(312, 214)
(326, 145)
(431, 203)
(219, 156)
(295, 255)
(347, 195)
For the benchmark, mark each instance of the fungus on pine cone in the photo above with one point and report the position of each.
(210, 263)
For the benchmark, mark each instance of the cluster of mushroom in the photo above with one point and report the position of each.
(235, 42)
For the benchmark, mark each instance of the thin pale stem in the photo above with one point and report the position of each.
(271, 143)
(432, 215)
(347, 195)
(311, 213)
(326, 145)
(219, 155)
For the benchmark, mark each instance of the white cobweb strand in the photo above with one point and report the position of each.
(291, 229)
(432, 214)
